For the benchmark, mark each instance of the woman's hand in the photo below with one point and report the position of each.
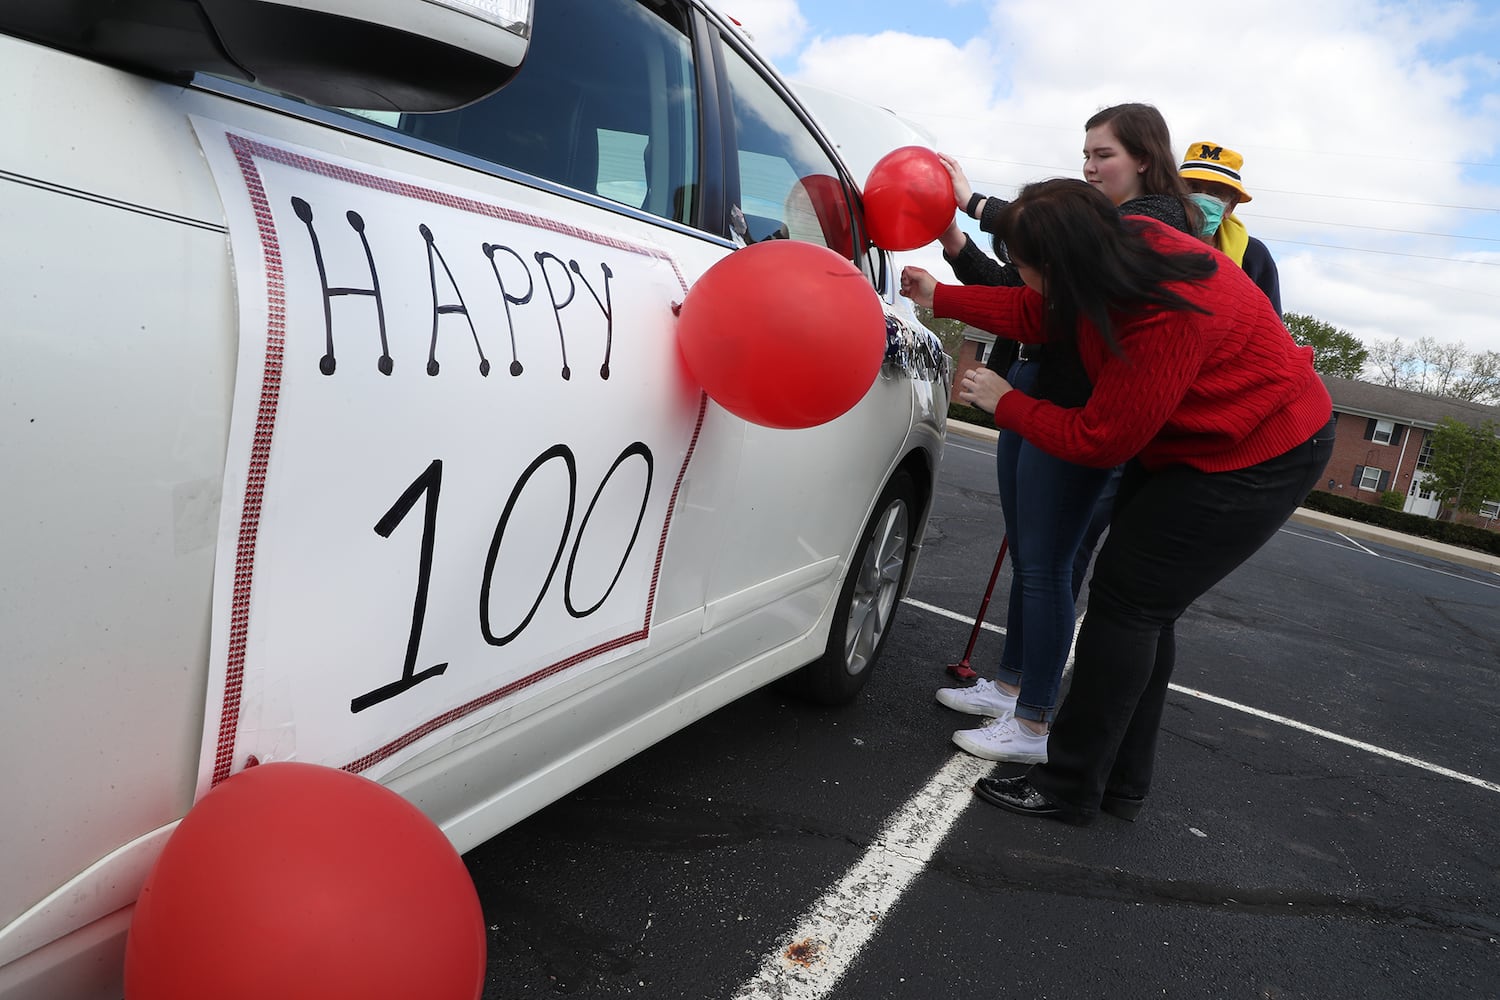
(953, 239)
(982, 388)
(962, 189)
(918, 285)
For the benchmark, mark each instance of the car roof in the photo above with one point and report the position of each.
(861, 131)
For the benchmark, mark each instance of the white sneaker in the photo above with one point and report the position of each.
(1003, 739)
(983, 698)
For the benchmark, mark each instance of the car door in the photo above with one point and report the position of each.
(801, 496)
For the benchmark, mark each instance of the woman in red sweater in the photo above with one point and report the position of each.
(1225, 425)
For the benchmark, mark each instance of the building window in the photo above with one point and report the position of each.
(1424, 457)
(1369, 478)
(1490, 509)
(1384, 431)
(982, 351)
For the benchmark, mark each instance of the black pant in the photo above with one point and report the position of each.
(1176, 532)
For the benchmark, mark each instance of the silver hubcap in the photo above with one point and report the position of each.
(874, 598)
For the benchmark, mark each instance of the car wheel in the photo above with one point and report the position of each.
(867, 600)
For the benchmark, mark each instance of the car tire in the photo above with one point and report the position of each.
(867, 600)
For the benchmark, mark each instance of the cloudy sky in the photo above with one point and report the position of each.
(1371, 131)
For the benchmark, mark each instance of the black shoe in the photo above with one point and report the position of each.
(1126, 807)
(1018, 796)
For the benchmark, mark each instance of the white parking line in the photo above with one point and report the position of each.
(1439, 572)
(1335, 737)
(815, 955)
(823, 946)
(944, 612)
(1357, 545)
(1391, 559)
(963, 447)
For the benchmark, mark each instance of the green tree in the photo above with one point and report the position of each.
(1335, 352)
(949, 331)
(1464, 470)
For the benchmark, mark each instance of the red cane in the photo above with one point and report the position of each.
(961, 669)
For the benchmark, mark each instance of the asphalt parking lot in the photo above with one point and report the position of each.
(1324, 823)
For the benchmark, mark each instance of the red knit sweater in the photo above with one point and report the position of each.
(1215, 392)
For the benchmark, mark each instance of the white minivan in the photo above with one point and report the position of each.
(342, 419)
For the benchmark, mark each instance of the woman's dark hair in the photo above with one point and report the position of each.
(1143, 132)
(1094, 263)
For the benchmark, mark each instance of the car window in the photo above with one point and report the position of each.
(789, 186)
(605, 103)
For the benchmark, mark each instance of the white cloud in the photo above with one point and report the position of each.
(957, 80)
(777, 26)
(1345, 117)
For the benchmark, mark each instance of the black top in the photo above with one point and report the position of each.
(1262, 270)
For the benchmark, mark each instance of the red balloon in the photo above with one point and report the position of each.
(909, 199)
(783, 333)
(303, 882)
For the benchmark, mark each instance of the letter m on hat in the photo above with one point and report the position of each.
(1207, 152)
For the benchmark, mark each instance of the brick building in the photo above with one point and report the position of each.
(1383, 441)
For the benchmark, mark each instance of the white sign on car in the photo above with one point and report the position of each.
(419, 370)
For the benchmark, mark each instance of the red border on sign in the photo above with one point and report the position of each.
(246, 151)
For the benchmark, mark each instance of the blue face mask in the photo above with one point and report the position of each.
(1213, 211)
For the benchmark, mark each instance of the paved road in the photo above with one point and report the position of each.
(1324, 823)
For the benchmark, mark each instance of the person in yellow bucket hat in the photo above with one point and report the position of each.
(1212, 172)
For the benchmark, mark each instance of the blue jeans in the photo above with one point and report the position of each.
(1048, 506)
(1176, 532)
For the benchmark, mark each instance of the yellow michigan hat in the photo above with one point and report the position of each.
(1209, 161)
